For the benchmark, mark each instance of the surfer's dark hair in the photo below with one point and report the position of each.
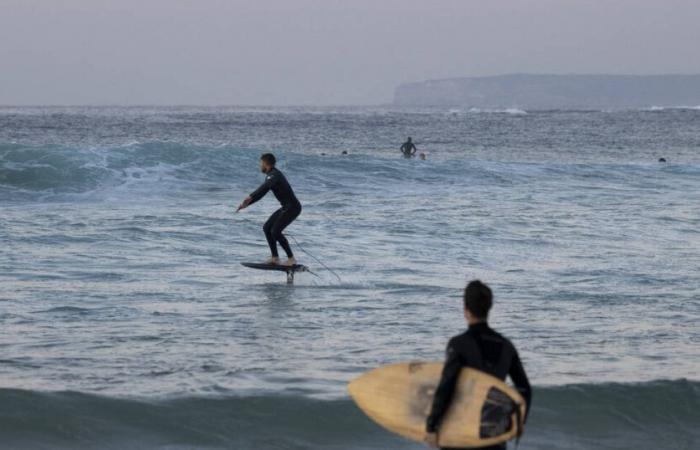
(269, 158)
(478, 299)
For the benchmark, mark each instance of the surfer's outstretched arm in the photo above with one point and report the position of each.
(244, 204)
(270, 182)
(260, 192)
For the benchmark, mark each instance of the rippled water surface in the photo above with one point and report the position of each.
(120, 274)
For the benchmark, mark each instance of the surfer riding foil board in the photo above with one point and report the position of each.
(276, 182)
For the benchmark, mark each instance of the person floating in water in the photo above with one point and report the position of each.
(479, 347)
(280, 219)
(408, 149)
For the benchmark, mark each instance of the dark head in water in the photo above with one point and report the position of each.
(662, 159)
(267, 162)
(344, 152)
(478, 300)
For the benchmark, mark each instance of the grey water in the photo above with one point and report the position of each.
(120, 276)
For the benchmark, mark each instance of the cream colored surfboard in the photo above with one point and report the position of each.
(399, 397)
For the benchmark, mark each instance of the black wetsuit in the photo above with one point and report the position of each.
(408, 149)
(280, 219)
(482, 348)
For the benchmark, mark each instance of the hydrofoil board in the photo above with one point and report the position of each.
(289, 270)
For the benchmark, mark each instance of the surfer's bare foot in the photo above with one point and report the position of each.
(290, 261)
(273, 260)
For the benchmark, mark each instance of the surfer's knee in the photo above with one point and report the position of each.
(276, 234)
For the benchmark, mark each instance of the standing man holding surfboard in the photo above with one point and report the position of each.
(276, 182)
(479, 347)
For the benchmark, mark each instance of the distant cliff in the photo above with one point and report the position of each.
(554, 91)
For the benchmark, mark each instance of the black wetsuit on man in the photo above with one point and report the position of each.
(482, 348)
(280, 219)
(408, 149)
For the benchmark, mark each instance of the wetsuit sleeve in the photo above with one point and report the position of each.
(264, 188)
(519, 377)
(445, 390)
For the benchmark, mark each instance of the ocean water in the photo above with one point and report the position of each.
(126, 320)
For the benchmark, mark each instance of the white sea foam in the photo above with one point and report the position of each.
(513, 111)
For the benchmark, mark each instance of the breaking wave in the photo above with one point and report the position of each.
(659, 414)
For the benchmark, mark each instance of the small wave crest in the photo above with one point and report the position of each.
(513, 111)
(66, 310)
(671, 108)
(54, 170)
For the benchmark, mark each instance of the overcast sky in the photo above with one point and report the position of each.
(315, 52)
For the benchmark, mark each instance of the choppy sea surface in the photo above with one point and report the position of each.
(126, 320)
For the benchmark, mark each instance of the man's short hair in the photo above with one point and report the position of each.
(478, 299)
(269, 158)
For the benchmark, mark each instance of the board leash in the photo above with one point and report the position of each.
(315, 259)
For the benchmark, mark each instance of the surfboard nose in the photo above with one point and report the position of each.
(360, 386)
